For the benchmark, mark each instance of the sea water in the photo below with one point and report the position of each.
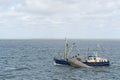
(33, 60)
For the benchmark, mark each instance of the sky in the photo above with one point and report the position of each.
(31, 19)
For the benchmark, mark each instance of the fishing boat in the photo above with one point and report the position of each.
(77, 60)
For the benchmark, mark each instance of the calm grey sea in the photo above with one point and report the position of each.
(33, 60)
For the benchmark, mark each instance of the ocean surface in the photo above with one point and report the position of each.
(33, 60)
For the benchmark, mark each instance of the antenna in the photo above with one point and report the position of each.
(87, 52)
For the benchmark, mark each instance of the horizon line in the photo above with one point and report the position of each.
(59, 38)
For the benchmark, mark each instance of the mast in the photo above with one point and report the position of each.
(96, 53)
(65, 50)
(87, 52)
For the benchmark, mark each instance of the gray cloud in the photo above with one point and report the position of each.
(66, 17)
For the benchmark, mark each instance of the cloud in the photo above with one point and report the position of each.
(5, 1)
(70, 17)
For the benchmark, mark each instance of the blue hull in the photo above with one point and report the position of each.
(63, 62)
(97, 63)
